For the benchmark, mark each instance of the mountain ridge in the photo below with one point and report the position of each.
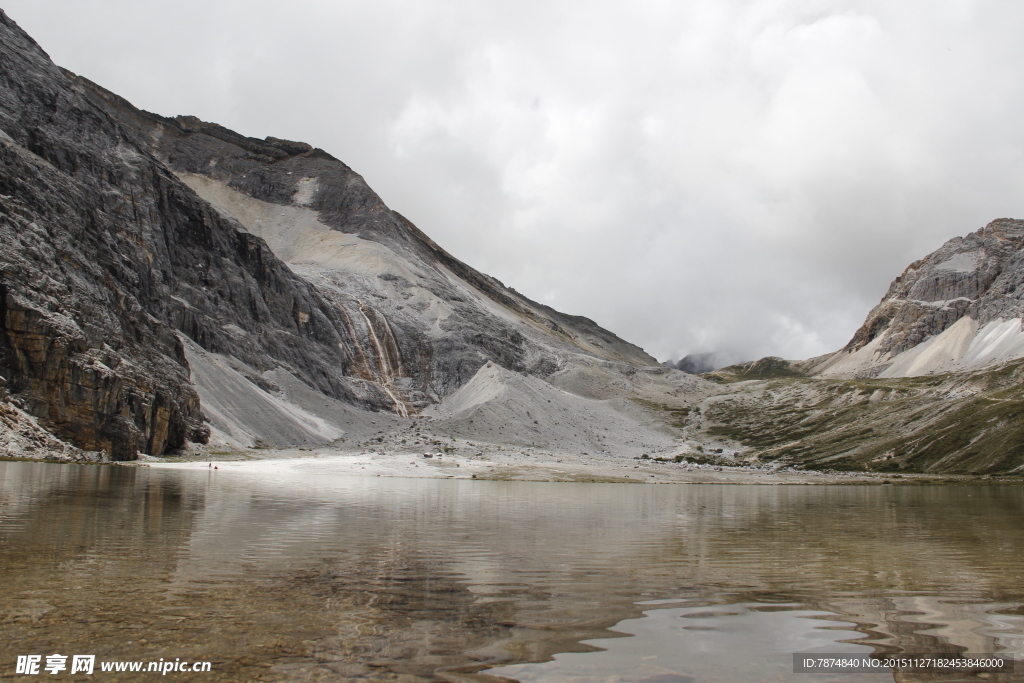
(260, 183)
(167, 281)
(931, 382)
(114, 286)
(959, 308)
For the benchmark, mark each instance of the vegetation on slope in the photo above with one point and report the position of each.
(969, 423)
(765, 368)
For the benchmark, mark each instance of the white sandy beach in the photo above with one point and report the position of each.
(510, 465)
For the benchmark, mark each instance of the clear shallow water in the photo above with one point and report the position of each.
(308, 577)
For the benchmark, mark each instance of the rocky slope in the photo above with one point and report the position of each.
(932, 382)
(159, 277)
(959, 308)
(166, 281)
(321, 218)
(107, 258)
(81, 347)
(969, 422)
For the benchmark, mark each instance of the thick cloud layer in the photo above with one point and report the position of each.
(737, 176)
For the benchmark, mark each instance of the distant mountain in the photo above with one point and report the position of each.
(164, 277)
(166, 281)
(959, 308)
(932, 382)
(694, 363)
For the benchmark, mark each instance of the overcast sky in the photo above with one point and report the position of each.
(738, 176)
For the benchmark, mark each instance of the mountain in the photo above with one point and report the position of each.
(959, 308)
(167, 280)
(933, 381)
(694, 363)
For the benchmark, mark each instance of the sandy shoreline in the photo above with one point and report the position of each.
(507, 464)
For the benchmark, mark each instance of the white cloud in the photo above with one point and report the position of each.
(743, 177)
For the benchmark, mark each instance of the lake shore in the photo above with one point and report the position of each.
(511, 464)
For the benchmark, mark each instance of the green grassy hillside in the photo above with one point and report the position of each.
(969, 423)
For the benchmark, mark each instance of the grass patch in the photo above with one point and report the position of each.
(971, 423)
(677, 415)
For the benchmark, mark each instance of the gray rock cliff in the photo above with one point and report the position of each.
(979, 275)
(129, 241)
(958, 309)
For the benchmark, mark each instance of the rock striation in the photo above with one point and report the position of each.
(413, 286)
(106, 257)
(80, 345)
(145, 261)
(959, 308)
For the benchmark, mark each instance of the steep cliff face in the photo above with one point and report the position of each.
(78, 346)
(105, 256)
(421, 322)
(958, 308)
(131, 243)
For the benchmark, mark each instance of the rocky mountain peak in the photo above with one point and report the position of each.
(162, 276)
(968, 290)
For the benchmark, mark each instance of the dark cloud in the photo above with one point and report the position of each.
(695, 363)
(713, 176)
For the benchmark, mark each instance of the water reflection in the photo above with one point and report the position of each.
(702, 641)
(310, 576)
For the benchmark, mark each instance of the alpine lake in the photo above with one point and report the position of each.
(319, 578)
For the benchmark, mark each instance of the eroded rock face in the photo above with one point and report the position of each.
(980, 275)
(421, 322)
(105, 256)
(79, 349)
(108, 261)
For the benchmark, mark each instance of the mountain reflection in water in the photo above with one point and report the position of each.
(309, 577)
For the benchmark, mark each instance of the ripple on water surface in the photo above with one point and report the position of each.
(306, 576)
